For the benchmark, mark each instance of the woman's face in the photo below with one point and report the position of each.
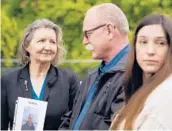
(43, 46)
(151, 48)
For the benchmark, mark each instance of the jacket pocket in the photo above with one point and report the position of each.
(94, 121)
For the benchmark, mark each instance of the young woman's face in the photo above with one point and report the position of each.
(43, 46)
(151, 48)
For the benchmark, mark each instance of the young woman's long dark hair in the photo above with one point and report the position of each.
(135, 91)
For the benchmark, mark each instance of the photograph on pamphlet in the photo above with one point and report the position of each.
(29, 114)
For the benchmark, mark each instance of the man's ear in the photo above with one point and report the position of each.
(111, 31)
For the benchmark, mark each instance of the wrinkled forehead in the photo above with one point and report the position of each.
(44, 32)
(91, 20)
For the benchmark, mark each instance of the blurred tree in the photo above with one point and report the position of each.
(69, 14)
(9, 38)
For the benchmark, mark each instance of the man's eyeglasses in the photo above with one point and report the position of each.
(89, 32)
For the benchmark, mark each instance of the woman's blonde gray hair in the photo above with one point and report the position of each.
(28, 36)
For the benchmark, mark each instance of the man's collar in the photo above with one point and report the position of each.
(120, 65)
(115, 61)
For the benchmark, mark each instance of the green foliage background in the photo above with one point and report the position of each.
(69, 14)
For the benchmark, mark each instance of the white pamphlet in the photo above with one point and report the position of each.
(29, 114)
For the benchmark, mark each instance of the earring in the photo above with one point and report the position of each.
(27, 59)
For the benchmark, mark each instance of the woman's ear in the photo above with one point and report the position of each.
(27, 48)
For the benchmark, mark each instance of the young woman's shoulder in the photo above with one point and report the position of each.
(162, 94)
(156, 113)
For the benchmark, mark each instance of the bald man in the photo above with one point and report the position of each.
(100, 96)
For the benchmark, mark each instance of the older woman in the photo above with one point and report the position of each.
(41, 49)
(148, 101)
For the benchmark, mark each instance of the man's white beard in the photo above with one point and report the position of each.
(89, 47)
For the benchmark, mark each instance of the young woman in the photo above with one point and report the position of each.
(40, 51)
(148, 104)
